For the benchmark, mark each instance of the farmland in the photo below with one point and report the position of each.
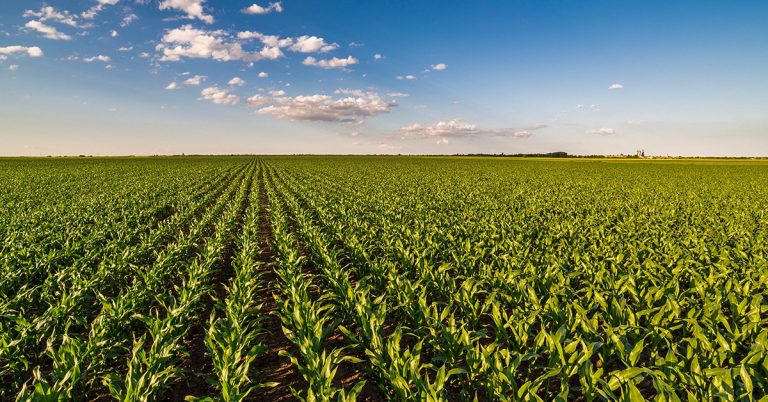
(383, 278)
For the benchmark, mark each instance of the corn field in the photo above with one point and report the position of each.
(383, 278)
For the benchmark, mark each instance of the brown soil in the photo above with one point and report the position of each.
(270, 365)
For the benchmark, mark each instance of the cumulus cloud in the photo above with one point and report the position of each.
(236, 81)
(439, 67)
(354, 107)
(113, 33)
(196, 80)
(263, 74)
(95, 10)
(603, 131)
(277, 92)
(125, 49)
(172, 86)
(269, 41)
(408, 77)
(302, 44)
(457, 128)
(31, 51)
(193, 9)
(219, 96)
(128, 20)
(257, 9)
(260, 100)
(330, 63)
(48, 31)
(616, 86)
(13, 67)
(312, 44)
(102, 58)
(190, 42)
(377, 57)
(48, 13)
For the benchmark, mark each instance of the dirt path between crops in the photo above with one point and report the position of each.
(270, 366)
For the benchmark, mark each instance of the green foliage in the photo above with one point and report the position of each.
(429, 279)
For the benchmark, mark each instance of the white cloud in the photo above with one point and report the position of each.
(31, 51)
(330, 63)
(257, 9)
(128, 20)
(579, 106)
(603, 131)
(457, 128)
(397, 95)
(113, 33)
(190, 42)
(219, 96)
(196, 80)
(263, 74)
(633, 122)
(278, 92)
(48, 13)
(48, 31)
(144, 55)
(377, 56)
(311, 44)
(408, 77)
(259, 100)
(302, 44)
(442, 141)
(269, 53)
(172, 86)
(93, 11)
(616, 86)
(13, 67)
(236, 81)
(102, 58)
(353, 108)
(439, 67)
(125, 49)
(193, 9)
(267, 40)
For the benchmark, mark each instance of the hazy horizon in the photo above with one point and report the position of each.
(140, 77)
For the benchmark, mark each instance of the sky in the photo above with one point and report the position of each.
(143, 77)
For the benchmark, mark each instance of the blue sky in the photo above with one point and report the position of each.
(116, 77)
